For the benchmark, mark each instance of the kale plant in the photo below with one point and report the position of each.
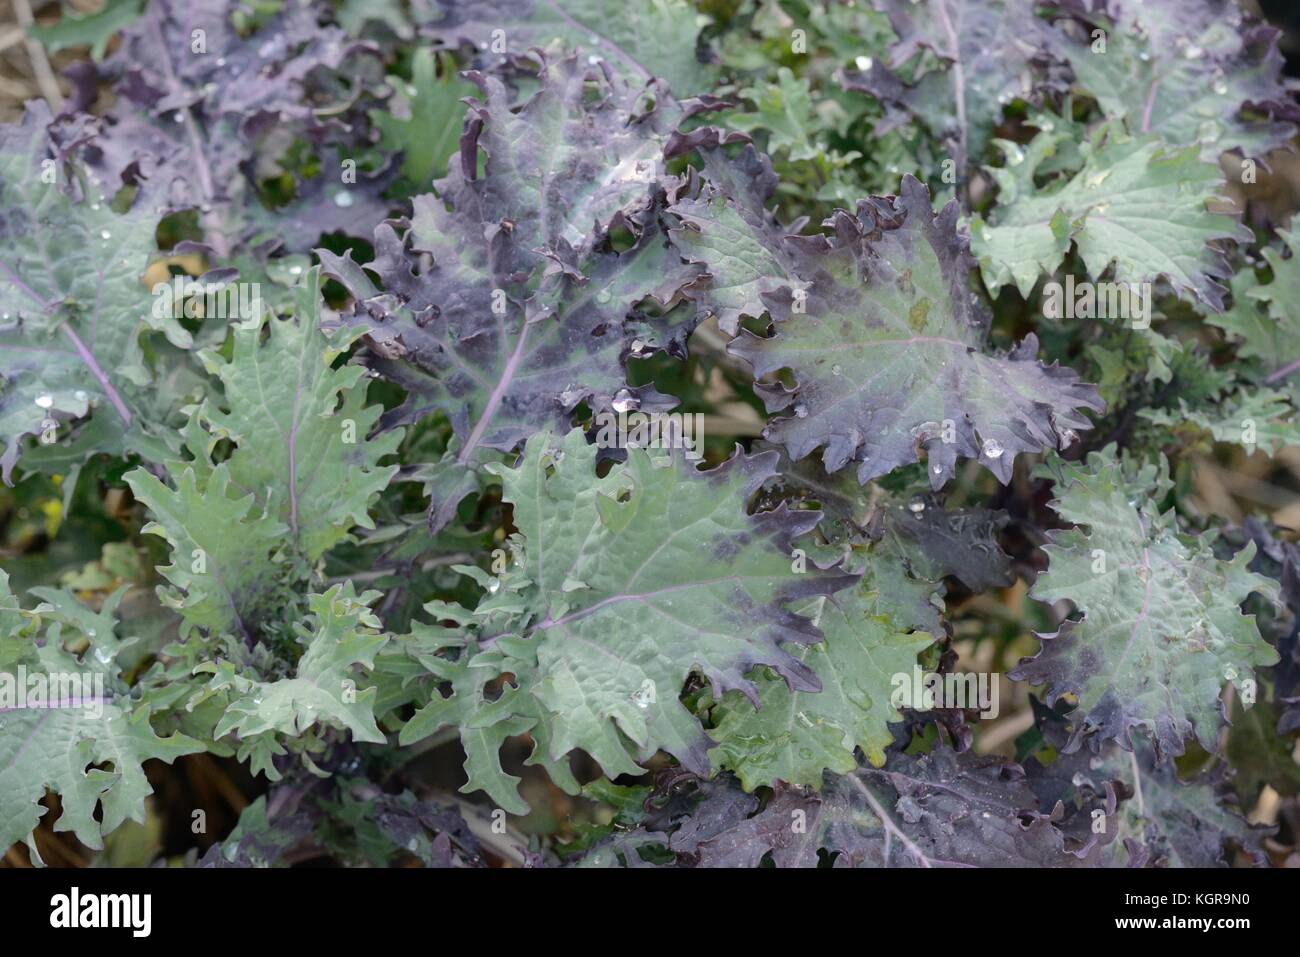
(695, 433)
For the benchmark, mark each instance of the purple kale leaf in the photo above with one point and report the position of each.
(509, 296)
(1149, 815)
(200, 107)
(990, 52)
(942, 809)
(640, 41)
(885, 342)
(1191, 71)
(75, 316)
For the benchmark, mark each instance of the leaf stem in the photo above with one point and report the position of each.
(214, 228)
(98, 373)
(494, 400)
(959, 90)
(1282, 373)
(888, 823)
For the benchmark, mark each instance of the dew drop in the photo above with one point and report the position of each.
(343, 199)
(80, 395)
(1220, 86)
(917, 505)
(105, 234)
(625, 401)
(836, 370)
(801, 411)
(992, 449)
(1193, 52)
(45, 401)
(864, 63)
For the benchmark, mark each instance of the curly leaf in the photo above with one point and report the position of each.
(221, 550)
(520, 316)
(888, 353)
(1161, 628)
(1164, 820)
(988, 50)
(61, 748)
(726, 228)
(427, 139)
(793, 736)
(73, 303)
(941, 809)
(1193, 72)
(189, 123)
(653, 38)
(340, 633)
(604, 613)
(301, 427)
(1268, 334)
(1136, 205)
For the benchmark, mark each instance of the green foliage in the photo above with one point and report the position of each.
(397, 552)
(1134, 205)
(1161, 630)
